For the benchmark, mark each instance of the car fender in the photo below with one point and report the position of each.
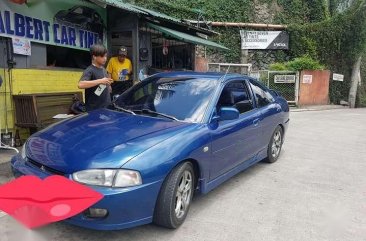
(157, 162)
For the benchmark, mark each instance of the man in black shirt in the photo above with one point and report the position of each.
(95, 80)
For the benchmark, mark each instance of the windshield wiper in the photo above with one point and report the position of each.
(123, 109)
(156, 113)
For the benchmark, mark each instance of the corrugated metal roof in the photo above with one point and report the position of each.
(187, 37)
(158, 15)
(125, 6)
(154, 14)
(140, 10)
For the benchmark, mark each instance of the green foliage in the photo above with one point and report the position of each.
(335, 42)
(304, 63)
(303, 11)
(361, 95)
(298, 64)
(233, 42)
(278, 67)
(215, 10)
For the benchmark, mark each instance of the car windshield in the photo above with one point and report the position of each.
(183, 98)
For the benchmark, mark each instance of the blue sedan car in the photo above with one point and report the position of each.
(164, 139)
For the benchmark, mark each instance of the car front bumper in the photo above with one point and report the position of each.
(127, 207)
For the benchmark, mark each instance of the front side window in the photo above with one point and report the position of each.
(235, 94)
(184, 98)
(261, 94)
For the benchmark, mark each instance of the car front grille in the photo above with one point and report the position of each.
(45, 168)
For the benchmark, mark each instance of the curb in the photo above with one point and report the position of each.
(316, 109)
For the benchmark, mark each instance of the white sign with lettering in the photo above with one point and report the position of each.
(338, 77)
(264, 39)
(285, 79)
(307, 79)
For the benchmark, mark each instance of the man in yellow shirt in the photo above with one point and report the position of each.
(120, 70)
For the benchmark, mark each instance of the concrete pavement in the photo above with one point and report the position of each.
(5, 173)
(316, 191)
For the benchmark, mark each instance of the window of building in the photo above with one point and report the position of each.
(67, 57)
(167, 53)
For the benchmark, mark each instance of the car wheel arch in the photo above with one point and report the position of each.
(283, 128)
(196, 168)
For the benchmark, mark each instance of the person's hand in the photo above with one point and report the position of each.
(105, 81)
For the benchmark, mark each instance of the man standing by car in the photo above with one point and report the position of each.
(120, 70)
(95, 80)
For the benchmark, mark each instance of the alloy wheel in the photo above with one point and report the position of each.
(183, 195)
(276, 144)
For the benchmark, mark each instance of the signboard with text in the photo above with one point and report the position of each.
(338, 77)
(307, 79)
(264, 39)
(285, 79)
(66, 23)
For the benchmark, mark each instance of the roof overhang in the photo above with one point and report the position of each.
(186, 37)
(153, 16)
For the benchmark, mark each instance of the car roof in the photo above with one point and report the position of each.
(192, 74)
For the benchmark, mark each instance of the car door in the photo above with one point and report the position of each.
(234, 141)
(269, 111)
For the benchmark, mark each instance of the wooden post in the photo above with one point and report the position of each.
(244, 59)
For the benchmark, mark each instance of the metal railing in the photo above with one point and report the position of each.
(284, 82)
(233, 68)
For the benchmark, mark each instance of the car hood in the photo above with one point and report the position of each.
(99, 139)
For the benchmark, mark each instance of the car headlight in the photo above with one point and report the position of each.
(108, 177)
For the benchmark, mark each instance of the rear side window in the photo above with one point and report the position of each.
(262, 96)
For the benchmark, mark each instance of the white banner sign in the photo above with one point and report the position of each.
(284, 79)
(264, 39)
(307, 79)
(22, 46)
(338, 77)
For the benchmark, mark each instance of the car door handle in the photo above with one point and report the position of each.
(256, 122)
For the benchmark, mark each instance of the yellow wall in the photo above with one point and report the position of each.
(5, 98)
(30, 81)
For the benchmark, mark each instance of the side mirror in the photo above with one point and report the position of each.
(227, 113)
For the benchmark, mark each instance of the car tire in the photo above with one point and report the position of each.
(175, 197)
(275, 145)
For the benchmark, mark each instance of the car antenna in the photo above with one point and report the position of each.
(227, 71)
